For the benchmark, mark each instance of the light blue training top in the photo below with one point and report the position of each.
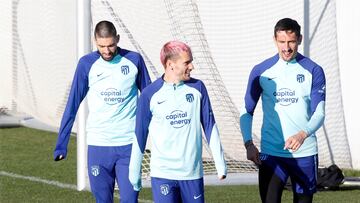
(112, 89)
(172, 115)
(293, 99)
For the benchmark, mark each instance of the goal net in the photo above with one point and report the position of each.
(227, 39)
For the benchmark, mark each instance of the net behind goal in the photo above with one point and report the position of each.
(180, 20)
(227, 39)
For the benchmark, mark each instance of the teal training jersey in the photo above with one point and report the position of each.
(112, 89)
(173, 116)
(293, 99)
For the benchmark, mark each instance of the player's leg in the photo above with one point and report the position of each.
(165, 190)
(192, 190)
(101, 173)
(127, 193)
(272, 179)
(303, 173)
(302, 198)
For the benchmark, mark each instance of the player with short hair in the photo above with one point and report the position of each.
(111, 78)
(292, 88)
(171, 111)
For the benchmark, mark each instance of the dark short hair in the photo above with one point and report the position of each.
(287, 24)
(105, 29)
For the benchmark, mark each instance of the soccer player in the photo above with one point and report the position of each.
(292, 88)
(171, 111)
(111, 78)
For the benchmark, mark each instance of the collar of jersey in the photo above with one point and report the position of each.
(115, 60)
(292, 61)
(170, 84)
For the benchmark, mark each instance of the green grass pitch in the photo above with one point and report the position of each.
(29, 174)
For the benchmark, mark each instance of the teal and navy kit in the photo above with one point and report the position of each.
(293, 99)
(172, 116)
(111, 88)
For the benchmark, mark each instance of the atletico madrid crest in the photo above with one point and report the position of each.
(125, 69)
(189, 97)
(300, 78)
(95, 170)
(165, 189)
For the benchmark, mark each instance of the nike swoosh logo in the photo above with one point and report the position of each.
(99, 74)
(271, 78)
(197, 197)
(160, 102)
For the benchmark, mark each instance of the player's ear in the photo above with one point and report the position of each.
(94, 39)
(169, 64)
(299, 39)
(274, 39)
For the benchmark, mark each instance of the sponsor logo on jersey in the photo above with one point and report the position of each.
(95, 170)
(164, 189)
(125, 69)
(189, 97)
(285, 96)
(112, 96)
(178, 119)
(300, 78)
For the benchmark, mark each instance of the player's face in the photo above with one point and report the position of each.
(182, 66)
(287, 43)
(107, 47)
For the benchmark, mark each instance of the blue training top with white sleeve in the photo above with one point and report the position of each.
(112, 91)
(172, 115)
(293, 99)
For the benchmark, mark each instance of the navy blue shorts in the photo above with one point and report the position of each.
(177, 191)
(302, 171)
(105, 164)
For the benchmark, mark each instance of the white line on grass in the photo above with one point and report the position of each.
(51, 182)
(35, 179)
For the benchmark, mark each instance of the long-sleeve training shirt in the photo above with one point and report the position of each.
(112, 89)
(172, 115)
(293, 99)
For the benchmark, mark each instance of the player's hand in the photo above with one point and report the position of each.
(222, 177)
(294, 142)
(137, 185)
(252, 153)
(135, 179)
(59, 157)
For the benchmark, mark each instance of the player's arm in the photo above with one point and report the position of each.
(318, 96)
(143, 78)
(317, 105)
(77, 93)
(143, 118)
(212, 134)
(253, 92)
